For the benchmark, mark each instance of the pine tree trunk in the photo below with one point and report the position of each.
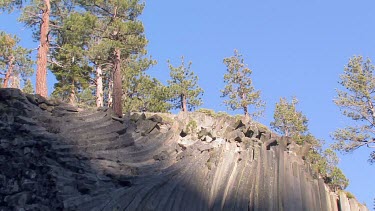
(41, 73)
(72, 96)
(117, 85)
(99, 87)
(183, 103)
(110, 91)
(9, 72)
(245, 109)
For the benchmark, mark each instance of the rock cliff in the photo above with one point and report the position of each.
(55, 157)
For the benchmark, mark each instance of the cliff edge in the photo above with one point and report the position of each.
(54, 156)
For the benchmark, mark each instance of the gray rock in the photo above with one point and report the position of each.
(235, 135)
(156, 118)
(145, 126)
(18, 199)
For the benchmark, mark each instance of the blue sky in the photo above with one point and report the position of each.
(295, 48)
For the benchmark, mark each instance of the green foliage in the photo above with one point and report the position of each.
(356, 101)
(28, 87)
(288, 121)
(239, 88)
(338, 181)
(142, 93)
(14, 57)
(10, 5)
(71, 66)
(191, 127)
(86, 98)
(325, 164)
(184, 89)
(349, 195)
(118, 35)
(72, 77)
(146, 94)
(222, 114)
(206, 111)
(117, 27)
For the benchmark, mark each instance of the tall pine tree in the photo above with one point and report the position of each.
(44, 18)
(122, 36)
(71, 64)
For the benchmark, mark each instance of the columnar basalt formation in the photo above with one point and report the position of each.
(55, 157)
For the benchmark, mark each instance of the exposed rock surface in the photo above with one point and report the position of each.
(55, 157)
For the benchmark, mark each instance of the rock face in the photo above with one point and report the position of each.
(55, 157)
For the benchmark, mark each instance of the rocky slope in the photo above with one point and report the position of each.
(55, 157)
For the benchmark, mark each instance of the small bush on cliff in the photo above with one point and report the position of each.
(206, 111)
(191, 127)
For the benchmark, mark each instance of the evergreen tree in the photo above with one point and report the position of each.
(44, 17)
(325, 164)
(288, 121)
(28, 87)
(356, 101)
(121, 36)
(143, 93)
(239, 88)
(147, 94)
(85, 98)
(71, 66)
(184, 89)
(15, 61)
(74, 76)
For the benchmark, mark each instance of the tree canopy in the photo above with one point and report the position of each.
(356, 100)
(288, 121)
(184, 89)
(15, 60)
(239, 87)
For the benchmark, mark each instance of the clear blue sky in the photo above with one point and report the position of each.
(295, 48)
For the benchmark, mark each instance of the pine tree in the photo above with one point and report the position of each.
(122, 35)
(73, 76)
(184, 89)
(147, 94)
(15, 61)
(337, 180)
(44, 17)
(143, 93)
(325, 164)
(356, 101)
(288, 121)
(28, 87)
(71, 66)
(239, 88)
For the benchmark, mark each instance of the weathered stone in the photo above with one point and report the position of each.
(238, 124)
(207, 139)
(83, 160)
(11, 93)
(45, 107)
(25, 120)
(204, 132)
(251, 132)
(18, 199)
(161, 156)
(156, 118)
(145, 126)
(235, 135)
